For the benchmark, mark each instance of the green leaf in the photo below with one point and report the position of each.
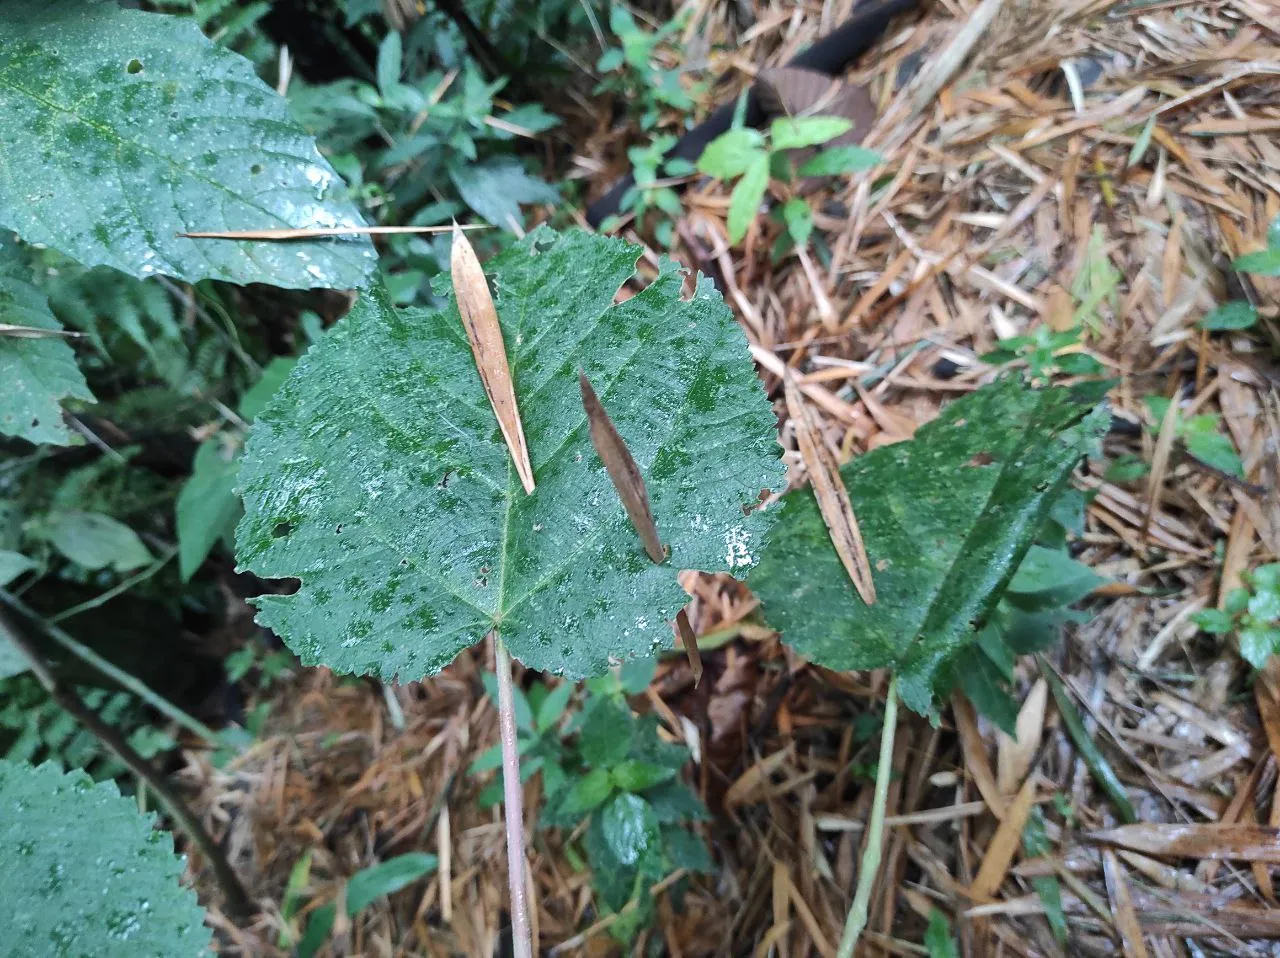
(795, 132)
(799, 219)
(1127, 468)
(379, 477)
(1142, 141)
(85, 873)
(1049, 578)
(1213, 621)
(1035, 843)
(937, 937)
(1265, 577)
(1214, 449)
(584, 796)
(1264, 262)
(207, 507)
(633, 775)
(1237, 601)
(1258, 643)
(552, 707)
(96, 541)
(38, 372)
(687, 850)
(259, 394)
(497, 189)
(12, 565)
(629, 827)
(946, 518)
(838, 160)
(674, 802)
(318, 928)
(980, 681)
(390, 63)
(635, 676)
(370, 884)
(1098, 765)
(607, 732)
(1236, 314)
(141, 129)
(731, 153)
(745, 200)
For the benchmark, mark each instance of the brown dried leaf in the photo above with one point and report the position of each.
(690, 642)
(1004, 844)
(1123, 914)
(622, 470)
(1251, 843)
(480, 320)
(833, 498)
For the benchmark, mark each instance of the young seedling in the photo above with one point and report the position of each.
(947, 517)
(753, 157)
(379, 476)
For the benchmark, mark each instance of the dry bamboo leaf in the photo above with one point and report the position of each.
(828, 488)
(294, 234)
(1122, 912)
(975, 755)
(1014, 755)
(1250, 843)
(36, 332)
(1160, 462)
(690, 643)
(480, 320)
(623, 471)
(1004, 844)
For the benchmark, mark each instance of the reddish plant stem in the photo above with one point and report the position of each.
(513, 802)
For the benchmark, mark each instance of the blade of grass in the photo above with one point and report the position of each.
(1098, 765)
(857, 919)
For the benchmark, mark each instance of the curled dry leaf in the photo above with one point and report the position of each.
(622, 470)
(690, 642)
(480, 320)
(828, 488)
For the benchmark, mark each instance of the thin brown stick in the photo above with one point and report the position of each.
(238, 901)
(690, 642)
(297, 234)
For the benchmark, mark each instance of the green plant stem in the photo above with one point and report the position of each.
(513, 803)
(238, 902)
(116, 674)
(857, 919)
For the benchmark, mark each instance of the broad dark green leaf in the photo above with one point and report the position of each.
(1049, 578)
(377, 474)
(674, 802)
(685, 849)
(607, 732)
(86, 874)
(980, 680)
(385, 878)
(630, 827)
(551, 708)
(946, 517)
(36, 372)
(122, 129)
(583, 796)
(1264, 262)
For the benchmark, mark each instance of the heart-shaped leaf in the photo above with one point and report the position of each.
(85, 873)
(142, 128)
(946, 518)
(378, 475)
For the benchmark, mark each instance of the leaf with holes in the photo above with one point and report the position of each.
(141, 128)
(85, 873)
(947, 518)
(378, 475)
(38, 372)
